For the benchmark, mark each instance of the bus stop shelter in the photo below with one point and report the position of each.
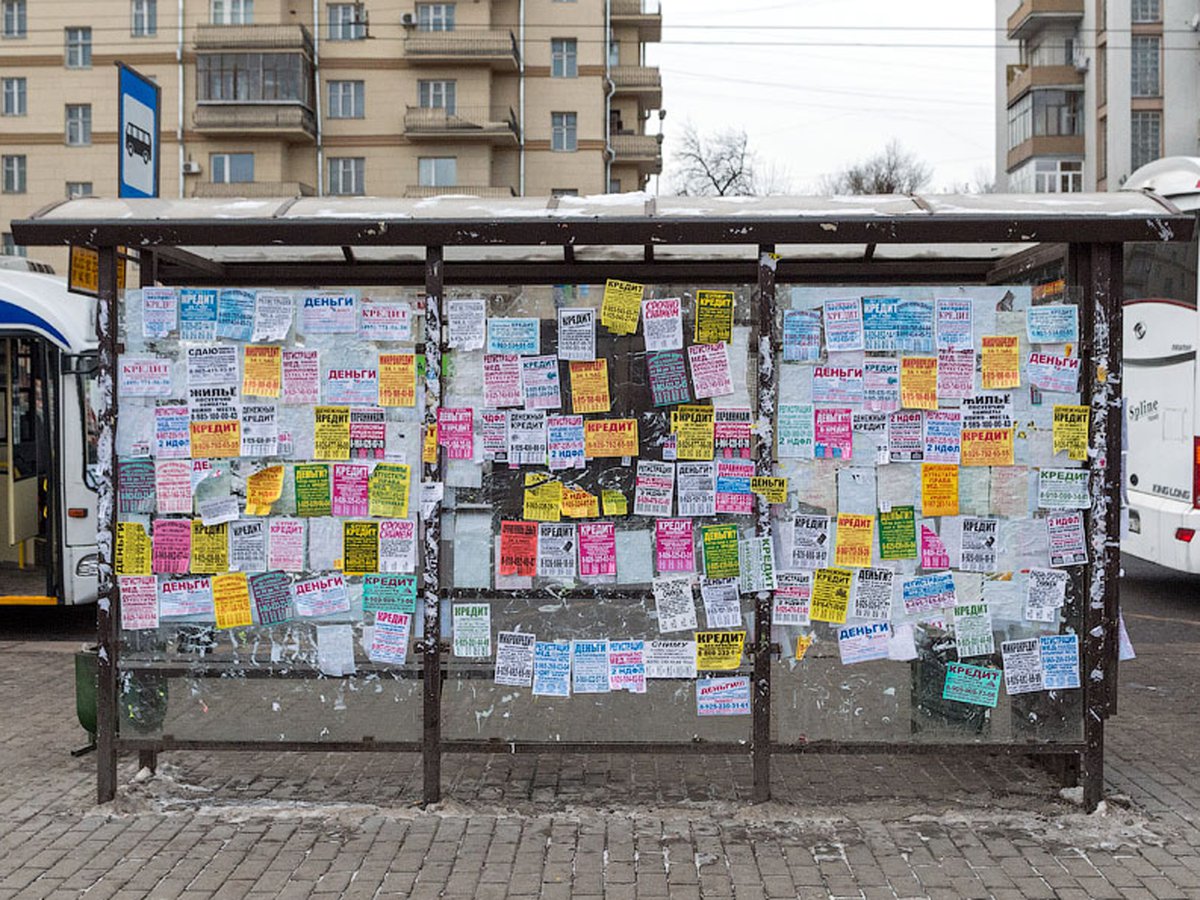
(803, 320)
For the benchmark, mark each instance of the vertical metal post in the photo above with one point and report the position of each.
(764, 445)
(147, 275)
(108, 606)
(431, 755)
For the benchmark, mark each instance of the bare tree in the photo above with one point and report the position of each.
(722, 165)
(894, 171)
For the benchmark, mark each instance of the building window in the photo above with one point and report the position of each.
(14, 97)
(9, 246)
(614, 53)
(1101, 150)
(76, 189)
(435, 16)
(232, 12)
(438, 95)
(563, 131)
(614, 185)
(346, 100)
(564, 192)
(1145, 11)
(240, 77)
(437, 171)
(346, 174)
(347, 22)
(13, 168)
(231, 168)
(144, 18)
(1046, 113)
(563, 58)
(14, 18)
(1144, 67)
(79, 124)
(79, 48)
(1145, 127)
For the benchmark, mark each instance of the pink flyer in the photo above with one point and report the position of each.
(301, 377)
(139, 601)
(710, 370)
(350, 496)
(502, 380)
(833, 433)
(173, 487)
(597, 548)
(171, 552)
(675, 546)
(733, 487)
(285, 541)
(456, 432)
(731, 432)
(955, 374)
(933, 551)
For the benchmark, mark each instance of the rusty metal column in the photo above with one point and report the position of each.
(108, 605)
(764, 445)
(147, 270)
(431, 518)
(1101, 349)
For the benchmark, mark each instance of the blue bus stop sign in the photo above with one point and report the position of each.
(137, 134)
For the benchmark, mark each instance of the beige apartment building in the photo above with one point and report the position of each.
(304, 97)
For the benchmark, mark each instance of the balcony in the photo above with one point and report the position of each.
(253, 37)
(643, 82)
(497, 126)
(1024, 78)
(1044, 145)
(421, 191)
(646, 15)
(1033, 15)
(254, 189)
(290, 121)
(643, 150)
(493, 47)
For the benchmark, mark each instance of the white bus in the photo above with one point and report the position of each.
(47, 440)
(1162, 417)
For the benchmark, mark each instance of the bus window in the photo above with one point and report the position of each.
(85, 367)
(30, 454)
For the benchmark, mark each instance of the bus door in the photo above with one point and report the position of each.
(27, 538)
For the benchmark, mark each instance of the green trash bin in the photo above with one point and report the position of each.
(143, 700)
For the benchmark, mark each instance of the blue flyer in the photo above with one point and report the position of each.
(514, 336)
(1056, 324)
(801, 335)
(915, 321)
(551, 669)
(235, 314)
(1060, 661)
(880, 323)
(198, 314)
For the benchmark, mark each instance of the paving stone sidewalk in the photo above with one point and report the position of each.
(299, 825)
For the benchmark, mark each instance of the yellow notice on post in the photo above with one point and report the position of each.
(830, 595)
(803, 642)
(774, 488)
(714, 317)
(918, 382)
(1000, 361)
(262, 371)
(622, 306)
(939, 490)
(853, 547)
(719, 651)
(615, 503)
(231, 600)
(610, 437)
(133, 549)
(544, 502)
(263, 488)
(987, 447)
(694, 427)
(1071, 430)
(589, 387)
(360, 547)
(210, 548)
(579, 504)
(429, 446)
(397, 379)
(389, 487)
(331, 430)
(216, 440)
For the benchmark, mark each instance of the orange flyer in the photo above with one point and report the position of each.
(216, 440)
(610, 437)
(853, 547)
(397, 379)
(987, 447)
(589, 387)
(262, 371)
(1000, 361)
(939, 490)
(918, 382)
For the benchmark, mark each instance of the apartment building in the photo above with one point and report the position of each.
(305, 97)
(1089, 90)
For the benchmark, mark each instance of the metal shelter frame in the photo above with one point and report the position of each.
(766, 242)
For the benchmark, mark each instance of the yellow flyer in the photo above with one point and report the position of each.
(262, 371)
(939, 489)
(544, 502)
(579, 504)
(388, 488)
(830, 595)
(987, 447)
(918, 382)
(719, 650)
(133, 549)
(615, 503)
(210, 548)
(360, 547)
(772, 487)
(216, 440)
(610, 437)
(397, 379)
(263, 488)
(853, 547)
(714, 317)
(231, 600)
(1071, 431)
(1000, 361)
(694, 427)
(589, 387)
(622, 306)
(429, 446)
(331, 432)
(803, 642)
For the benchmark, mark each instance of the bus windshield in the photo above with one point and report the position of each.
(90, 402)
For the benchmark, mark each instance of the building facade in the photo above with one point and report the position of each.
(308, 97)
(1089, 90)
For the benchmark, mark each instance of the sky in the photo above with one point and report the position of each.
(820, 84)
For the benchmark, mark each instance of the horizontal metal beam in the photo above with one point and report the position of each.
(159, 745)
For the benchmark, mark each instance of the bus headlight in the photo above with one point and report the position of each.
(88, 566)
